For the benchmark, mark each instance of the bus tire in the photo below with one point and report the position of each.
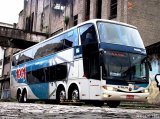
(24, 96)
(113, 104)
(61, 95)
(98, 103)
(19, 96)
(75, 95)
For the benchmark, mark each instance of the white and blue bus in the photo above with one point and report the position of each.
(97, 61)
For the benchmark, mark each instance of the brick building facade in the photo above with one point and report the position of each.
(48, 16)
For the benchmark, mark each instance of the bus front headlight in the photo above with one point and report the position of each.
(145, 91)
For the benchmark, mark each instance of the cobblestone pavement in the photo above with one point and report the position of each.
(14, 110)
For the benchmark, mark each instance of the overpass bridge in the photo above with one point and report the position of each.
(17, 38)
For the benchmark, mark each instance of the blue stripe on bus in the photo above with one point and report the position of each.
(40, 90)
(136, 86)
(108, 46)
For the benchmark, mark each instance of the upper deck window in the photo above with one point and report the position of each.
(119, 34)
(64, 41)
(88, 34)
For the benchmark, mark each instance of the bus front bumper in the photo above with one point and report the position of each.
(122, 96)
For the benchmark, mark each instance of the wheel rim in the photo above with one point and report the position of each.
(62, 96)
(75, 95)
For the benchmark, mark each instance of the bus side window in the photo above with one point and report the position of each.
(57, 72)
(51, 73)
(72, 36)
(88, 34)
(37, 76)
(61, 71)
(14, 62)
(20, 59)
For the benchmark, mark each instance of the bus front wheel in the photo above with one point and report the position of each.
(75, 95)
(113, 104)
(98, 103)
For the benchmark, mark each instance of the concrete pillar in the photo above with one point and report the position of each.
(119, 9)
(93, 9)
(81, 16)
(105, 9)
(122, 10)
(125, 11)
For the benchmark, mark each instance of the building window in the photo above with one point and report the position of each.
(87, 14)
(29, 23)
(99, 9)
(75, 20)
(27, 28)
(113, 9)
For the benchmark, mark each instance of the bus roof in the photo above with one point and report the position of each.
(83, 23)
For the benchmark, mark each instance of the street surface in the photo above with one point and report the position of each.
(14, 110)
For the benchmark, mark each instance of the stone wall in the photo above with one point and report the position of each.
(146, 16)
(154, 93)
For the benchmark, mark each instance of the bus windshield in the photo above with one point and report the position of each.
(124, 66)
(119, 34)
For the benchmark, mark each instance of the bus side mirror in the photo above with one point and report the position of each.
(157, 79)
(149, 64)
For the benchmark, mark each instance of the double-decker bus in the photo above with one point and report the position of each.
(99, 61)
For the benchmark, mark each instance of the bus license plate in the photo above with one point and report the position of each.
(130, 97)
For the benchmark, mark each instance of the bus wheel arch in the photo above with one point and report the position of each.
(19, 95)
(60, 94)
(73, 92)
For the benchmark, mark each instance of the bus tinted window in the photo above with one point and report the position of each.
(119, 34)
(39, 76)
(53, 73)
(66, 40)
(61, 71)
(88, 34)
(24, 57)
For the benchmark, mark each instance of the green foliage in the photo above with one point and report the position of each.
(66, 20)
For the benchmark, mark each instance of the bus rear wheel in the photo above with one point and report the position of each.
(61, 96)
(113, 104)
(19, 97)
(25, 97)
